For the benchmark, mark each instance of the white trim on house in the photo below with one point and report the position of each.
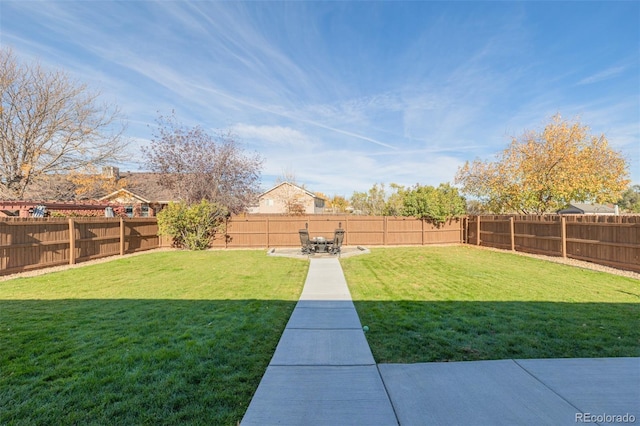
(119, 194)
(309, 193)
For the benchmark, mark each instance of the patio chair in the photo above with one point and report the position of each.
(307, 247)
(338, 237)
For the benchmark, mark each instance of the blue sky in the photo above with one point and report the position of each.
(347, 94)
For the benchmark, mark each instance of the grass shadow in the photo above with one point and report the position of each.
(134, 361)
(426, 331)
(130, 361)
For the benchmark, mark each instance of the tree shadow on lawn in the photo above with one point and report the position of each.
(134, 361)
(409, 332)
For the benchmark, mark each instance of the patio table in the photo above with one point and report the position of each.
(321, 244)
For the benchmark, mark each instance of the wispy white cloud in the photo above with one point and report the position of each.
(602, 75)
(294, 116)
(273, 135)
(379, 92)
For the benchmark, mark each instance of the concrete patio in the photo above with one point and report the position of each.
(346, 251)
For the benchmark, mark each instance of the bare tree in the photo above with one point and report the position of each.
(50, 123)
(199, 166)
(288, 175)
(290, 194)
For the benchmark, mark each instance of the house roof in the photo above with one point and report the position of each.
(309, 193)
(142, 185)
(147, 186)
(123, 193)
(50, 187)
(587, 208)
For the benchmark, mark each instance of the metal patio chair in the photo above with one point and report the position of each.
(307, 246)
(338, 238)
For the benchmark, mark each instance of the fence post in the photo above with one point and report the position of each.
(464, 230)
(267, 231)
(422, 225)
(72, 241)
(384, 230)
(478, 230)
(346, 230)
(563, 236)
(512, 231)
(121, 236)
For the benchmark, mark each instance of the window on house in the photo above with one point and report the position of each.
(129, 211)
(144, 210)
(268, 202)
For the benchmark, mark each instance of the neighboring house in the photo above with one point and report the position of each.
(134, 205)
(143, 195)
(140, 195)
(585, 208)
(287, 198)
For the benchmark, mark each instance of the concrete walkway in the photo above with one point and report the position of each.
(323, 373)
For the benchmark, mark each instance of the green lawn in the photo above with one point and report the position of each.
(161, 338)
(185, 337)
(462, 303)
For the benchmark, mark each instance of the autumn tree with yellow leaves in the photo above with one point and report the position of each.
(338, 204)
(544, 171)
(89, 183)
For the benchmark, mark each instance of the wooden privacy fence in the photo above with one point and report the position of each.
(268, 231)
(27, 244)
(606, 240)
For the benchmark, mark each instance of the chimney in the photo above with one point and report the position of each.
(111, 172)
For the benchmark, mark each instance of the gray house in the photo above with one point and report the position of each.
(589, 208)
